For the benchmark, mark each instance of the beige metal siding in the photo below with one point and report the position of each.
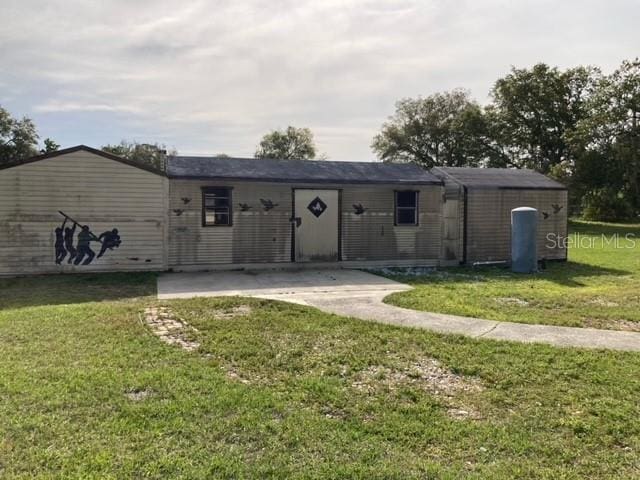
(256, 235)
(373, 236)
(259, 236)
(96, 191)
(489, 222)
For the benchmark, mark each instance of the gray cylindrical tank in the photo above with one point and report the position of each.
(524, 234)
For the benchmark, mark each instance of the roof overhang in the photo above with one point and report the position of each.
(305, 181)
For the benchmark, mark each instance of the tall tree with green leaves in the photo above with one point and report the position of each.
(18, 138)
(292, 143)
(150, 154)
(444, 129)
(534, 110)
(607, 172)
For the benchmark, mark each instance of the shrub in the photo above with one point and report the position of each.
(606, 204)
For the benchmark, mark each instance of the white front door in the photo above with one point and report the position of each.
(316, 228)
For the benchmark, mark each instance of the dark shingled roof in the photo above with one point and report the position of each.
(298, 171)
(506, 178)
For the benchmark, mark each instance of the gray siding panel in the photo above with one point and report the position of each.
(94, 190)
(256, 236)
(373, 236)
(489, 222)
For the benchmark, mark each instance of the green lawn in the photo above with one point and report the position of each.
(284, 391)
(598, 287)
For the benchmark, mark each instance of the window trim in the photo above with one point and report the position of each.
(204, 191)
(416, 222)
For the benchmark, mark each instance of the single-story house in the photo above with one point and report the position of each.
(81, 209)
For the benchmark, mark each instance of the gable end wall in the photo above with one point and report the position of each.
(94, 190)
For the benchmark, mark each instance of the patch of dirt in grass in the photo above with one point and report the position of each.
(233, 374)
(169, 328)
(601, 302)
(427, 374)
(137, 395)
(462, 414)
(232, 312)
(333, 413)
(608, 324)
(512, 301)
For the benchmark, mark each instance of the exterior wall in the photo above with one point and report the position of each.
(96, 191)
(256, 236)
(160, 220)
(259, 236)
(373, 236)
(489, 221)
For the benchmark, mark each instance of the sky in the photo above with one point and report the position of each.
(207, 77)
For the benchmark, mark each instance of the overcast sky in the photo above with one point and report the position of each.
(208, 77)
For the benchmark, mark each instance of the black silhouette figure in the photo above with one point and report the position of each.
(359, 209)
(61, 252)
(110, 240)
(69, 233)
(85, 237)
(268, 204)
(178, 211)
(545, 215)
(185, 200)
(556, 208)
(244, 207)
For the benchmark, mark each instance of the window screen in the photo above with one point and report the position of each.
(407, 208)
(216, 206)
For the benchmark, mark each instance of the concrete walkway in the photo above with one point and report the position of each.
(358, 294)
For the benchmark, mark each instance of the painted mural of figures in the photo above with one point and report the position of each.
(85, 237)
(69, 233)
(110, 240)
(81, 253)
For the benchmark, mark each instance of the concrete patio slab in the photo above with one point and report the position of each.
(360, 295)
(299, 286)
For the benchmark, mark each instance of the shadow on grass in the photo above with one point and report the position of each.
(568, 273)
(563, 273)
(78, 288)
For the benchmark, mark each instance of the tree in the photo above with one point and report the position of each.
(533, 111)
(442, 129)
(292, 143)
(18, 138)
(153, 155)
(608, 142)
(50, 146)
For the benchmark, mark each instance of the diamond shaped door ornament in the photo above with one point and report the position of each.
(317, 206)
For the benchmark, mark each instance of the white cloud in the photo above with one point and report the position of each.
(213, 76)
(54, 106)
